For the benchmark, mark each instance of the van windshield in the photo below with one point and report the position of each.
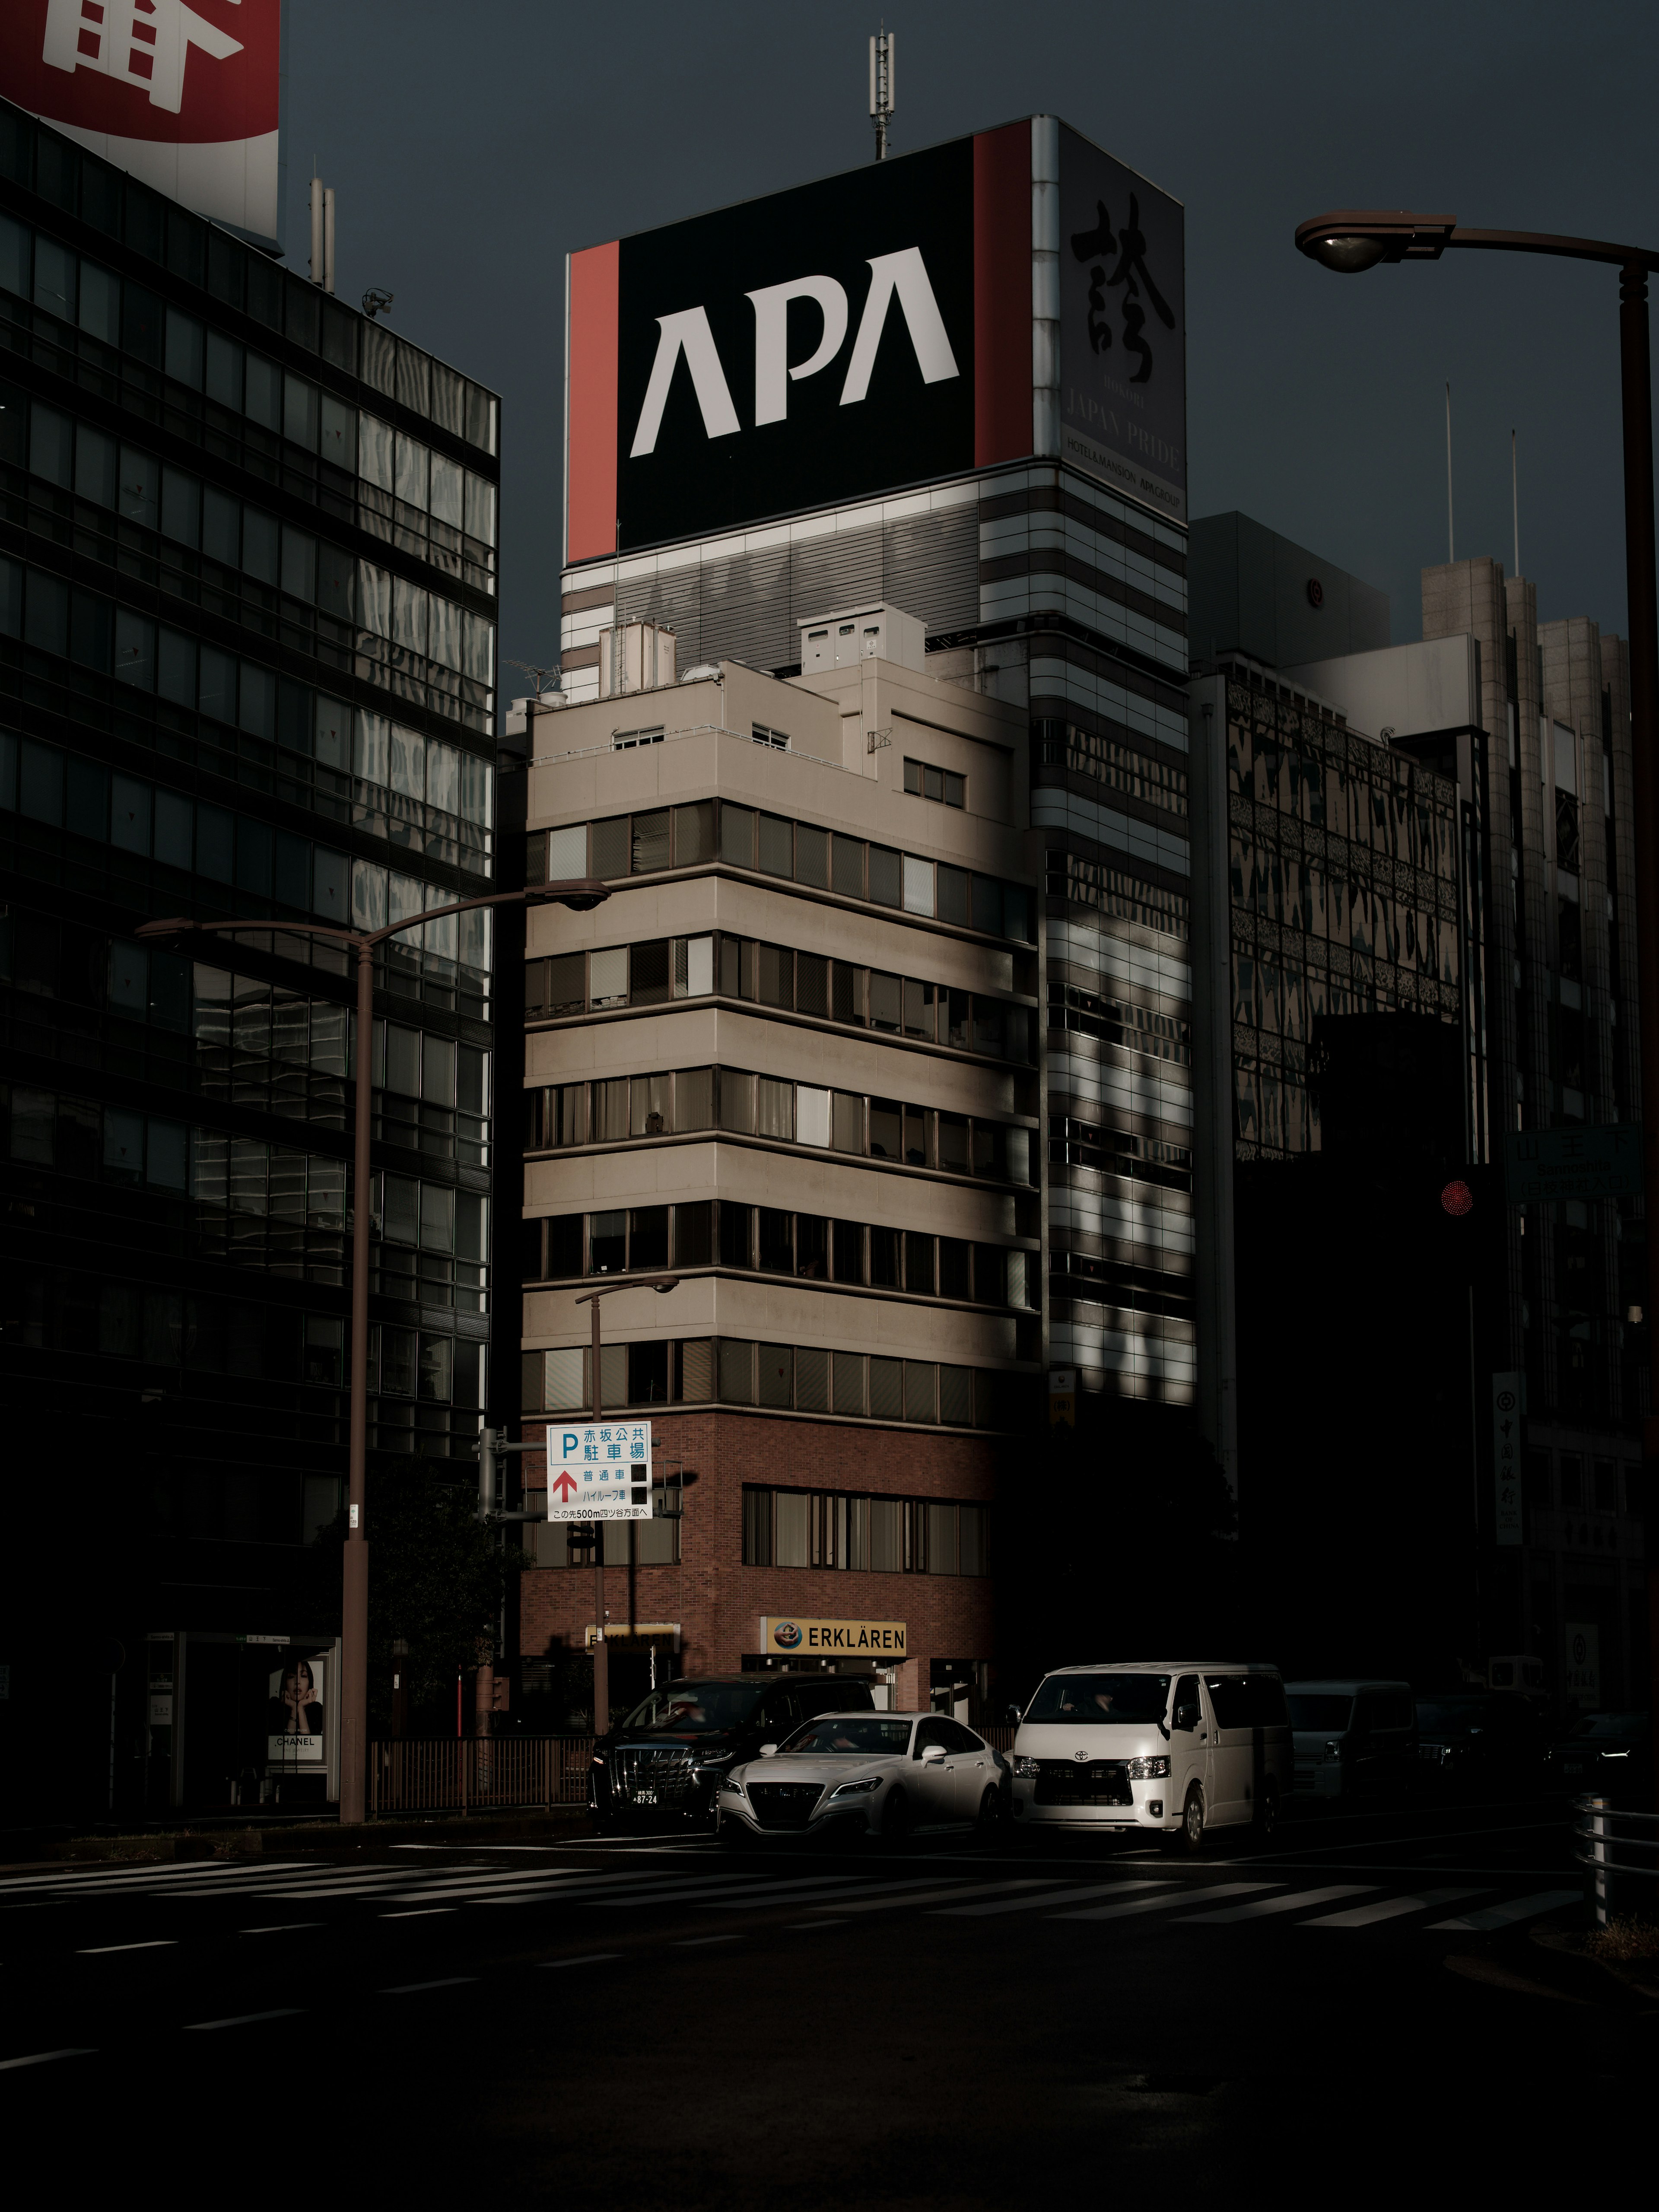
(694, 1709)
(1322, 1709)
(1088, 1699)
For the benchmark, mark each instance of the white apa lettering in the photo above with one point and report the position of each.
(773, 375)
(905, 274)
(686, 333)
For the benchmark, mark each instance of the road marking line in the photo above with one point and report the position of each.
(421, 1912)
(1178, 1896)
(1389, 1908)
(280, 1927)
(1035, 1904)
(691, 1942)
(799, 1927)
(1518, 1908)
(242, 2019)
(152, 1943)
(786, 1893)
(590, 1958)
(941, 1896)
(44, 2058)
(412, 1989)
(1263, 1905)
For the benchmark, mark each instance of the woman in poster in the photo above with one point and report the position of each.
(297, 1710)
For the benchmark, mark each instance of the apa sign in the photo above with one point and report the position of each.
(182, 96)
(876, 332)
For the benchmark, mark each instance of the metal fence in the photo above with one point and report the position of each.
(459, 1774)
(1603, 1829)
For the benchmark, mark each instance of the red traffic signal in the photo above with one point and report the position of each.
(1457, 1198)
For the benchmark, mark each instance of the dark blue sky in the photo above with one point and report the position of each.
(470, 147)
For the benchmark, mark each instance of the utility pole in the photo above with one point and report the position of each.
(883, 47)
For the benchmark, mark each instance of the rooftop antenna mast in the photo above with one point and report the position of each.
(881, 50)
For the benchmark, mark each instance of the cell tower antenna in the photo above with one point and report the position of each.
(883, 48)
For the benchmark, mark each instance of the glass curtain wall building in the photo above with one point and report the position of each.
(247, 617)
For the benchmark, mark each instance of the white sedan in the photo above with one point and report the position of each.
(869, 1774)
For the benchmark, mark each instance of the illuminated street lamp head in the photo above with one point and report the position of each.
(1350, 240)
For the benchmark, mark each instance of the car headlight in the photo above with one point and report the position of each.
(598, 1762)
(1029, 1768)
(715, 1759)
(1149, 1769)
(1333, 1750)
(730, 1787)
(871, 1783)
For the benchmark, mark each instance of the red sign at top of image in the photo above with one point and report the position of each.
(180, 75)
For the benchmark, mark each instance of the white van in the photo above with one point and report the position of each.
(1175, 1747)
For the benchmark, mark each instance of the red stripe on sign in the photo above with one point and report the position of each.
(1002, 295)
(591, 492)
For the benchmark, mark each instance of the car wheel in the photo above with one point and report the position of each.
(1266, 1813)
(1188, 1837)
(990, 1811)
(896, 1820)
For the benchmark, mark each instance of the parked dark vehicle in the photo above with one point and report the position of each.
(666, 1760)
(1353, 1739)
(1481, 1739)
(1605, 1755)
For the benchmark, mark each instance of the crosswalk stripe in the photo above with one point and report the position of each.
(162, 1880)
(1261, 1906)
(1176, 1895)
(1387, 1908)
(587, 1889)
(1517, 1908)
(847, 1886)
(485, 1885)
(1035, 1904)
(134, 1870)
(731, 1891)
(938, 1896)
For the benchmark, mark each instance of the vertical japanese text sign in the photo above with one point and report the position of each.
(1506, 1457)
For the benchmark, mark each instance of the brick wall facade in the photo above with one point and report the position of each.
(719, 1601)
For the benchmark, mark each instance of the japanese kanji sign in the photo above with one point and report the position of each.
(1604, 1161)
(183, 96)
(598, 1471)
(1122, 328)
(1506, 1456)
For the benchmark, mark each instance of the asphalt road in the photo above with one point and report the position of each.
(652, 2021)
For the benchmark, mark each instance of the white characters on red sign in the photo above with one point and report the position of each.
(143, 43)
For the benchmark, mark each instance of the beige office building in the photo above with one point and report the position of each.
(793, 1059)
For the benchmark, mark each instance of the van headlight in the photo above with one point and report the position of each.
(871, 1782)
(1149, 1769)
(1028, 1769)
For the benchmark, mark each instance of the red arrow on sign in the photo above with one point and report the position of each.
(565, 1484)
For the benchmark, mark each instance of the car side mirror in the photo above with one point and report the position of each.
(1013, 1715)
(933, 1755)
(1186, 1717)
(768, 1751)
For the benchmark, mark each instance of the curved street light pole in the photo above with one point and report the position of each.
(1350, 241)
(580, 894)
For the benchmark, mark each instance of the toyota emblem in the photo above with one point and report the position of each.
(1079, 1755)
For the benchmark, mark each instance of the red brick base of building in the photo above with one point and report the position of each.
(716, 1603)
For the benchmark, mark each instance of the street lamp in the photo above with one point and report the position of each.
(580, 893)
(1350, 241)
(661, 1285)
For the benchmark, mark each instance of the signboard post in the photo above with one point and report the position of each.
(598, 1471)
(1506, 1456)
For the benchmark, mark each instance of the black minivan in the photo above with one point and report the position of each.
(665, 1760)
